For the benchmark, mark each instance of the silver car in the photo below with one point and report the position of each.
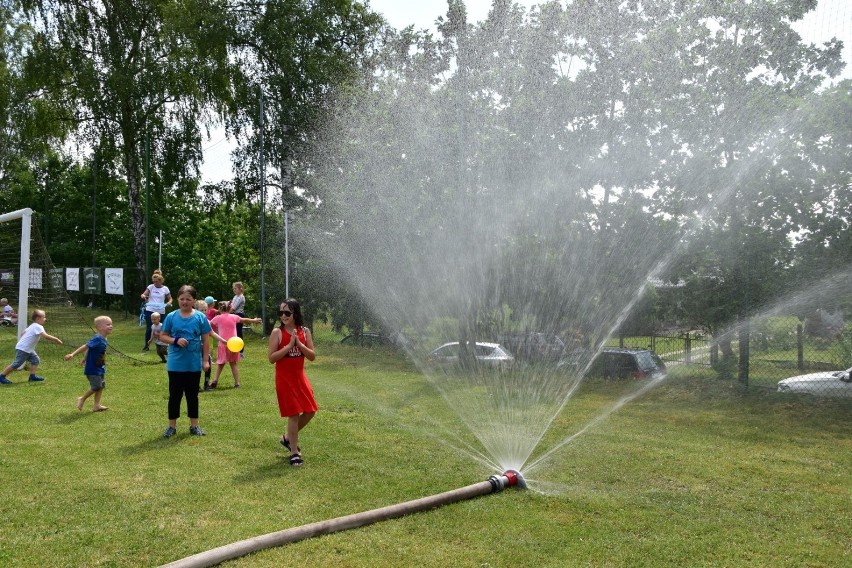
(826, 383)
(491, 354)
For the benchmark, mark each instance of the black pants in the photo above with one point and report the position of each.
(240, 330)
(183, 383)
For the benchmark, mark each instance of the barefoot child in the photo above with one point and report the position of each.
(25, 348)
(94, 362)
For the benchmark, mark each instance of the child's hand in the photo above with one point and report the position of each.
(69, 356)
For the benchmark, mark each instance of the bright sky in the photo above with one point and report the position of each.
(832, 18)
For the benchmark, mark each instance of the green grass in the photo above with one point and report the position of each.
(694, 473)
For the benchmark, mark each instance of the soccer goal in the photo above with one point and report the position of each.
(29, 280)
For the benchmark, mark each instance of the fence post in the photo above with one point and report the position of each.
(800, 346)
(687, 349)
(744, 337)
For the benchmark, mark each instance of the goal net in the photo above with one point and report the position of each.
(29, 280)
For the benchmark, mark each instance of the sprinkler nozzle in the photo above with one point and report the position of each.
(508, 479)
(515, 478)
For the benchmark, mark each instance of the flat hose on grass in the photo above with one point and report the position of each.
(241, 548)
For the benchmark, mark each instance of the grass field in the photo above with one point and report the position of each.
(694, 473)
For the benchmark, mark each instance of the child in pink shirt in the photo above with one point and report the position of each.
(226, 326)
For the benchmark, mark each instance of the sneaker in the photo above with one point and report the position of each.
(34, 379)
(146, 348)
(197, 431)
(4, 381)
(170, 431)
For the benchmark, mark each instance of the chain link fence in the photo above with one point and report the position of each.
(777, 354)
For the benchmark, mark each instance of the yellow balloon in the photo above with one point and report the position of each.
(235, 344)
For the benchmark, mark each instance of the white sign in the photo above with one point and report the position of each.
(35, 278)
(72, 279)
(114, 281)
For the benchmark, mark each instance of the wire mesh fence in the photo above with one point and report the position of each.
(777, 354)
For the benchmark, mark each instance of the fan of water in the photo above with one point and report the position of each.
(464, 215)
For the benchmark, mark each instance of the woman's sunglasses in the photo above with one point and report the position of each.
(284, 313)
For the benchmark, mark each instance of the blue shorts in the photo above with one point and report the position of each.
(22, 357)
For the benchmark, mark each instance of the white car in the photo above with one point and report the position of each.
(826, 383)
(491, 354)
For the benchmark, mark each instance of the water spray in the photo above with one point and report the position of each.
(212, 557)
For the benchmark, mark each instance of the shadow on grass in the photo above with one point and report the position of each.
(271, 470)
(156, 443)
(75, 415)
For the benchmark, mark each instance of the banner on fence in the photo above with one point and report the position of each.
(35, 279)
(114, 278)
(92, 280)
(72, 279)
(57, 277)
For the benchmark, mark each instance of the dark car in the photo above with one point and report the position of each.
(367, 339)
(627, 363)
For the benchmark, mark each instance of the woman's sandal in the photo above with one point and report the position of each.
(296, 460)
(286, 443)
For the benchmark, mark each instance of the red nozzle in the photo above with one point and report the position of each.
(512, 476)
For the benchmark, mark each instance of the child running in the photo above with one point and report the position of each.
(94, 363)
(25, 348)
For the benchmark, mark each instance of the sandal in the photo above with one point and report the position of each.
(296, 460)
(286, 443)
(214, 384)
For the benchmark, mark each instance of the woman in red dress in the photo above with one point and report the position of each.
(289, 345)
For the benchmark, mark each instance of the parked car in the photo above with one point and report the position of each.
(826, 383)
(627, 363)
(490, 354)
(367, 339)
(536, 347)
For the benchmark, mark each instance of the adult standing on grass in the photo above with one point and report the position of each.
(289, 345)
(157, 296)
(187, 333)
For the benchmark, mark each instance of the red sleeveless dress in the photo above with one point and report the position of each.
(295, 394)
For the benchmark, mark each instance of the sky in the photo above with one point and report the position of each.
(832, 18)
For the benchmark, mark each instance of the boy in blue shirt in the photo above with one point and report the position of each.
(94, 363)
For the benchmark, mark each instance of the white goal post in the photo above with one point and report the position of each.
(26, 217)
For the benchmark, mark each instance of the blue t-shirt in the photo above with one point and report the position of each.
(96, 356)
(191, 328)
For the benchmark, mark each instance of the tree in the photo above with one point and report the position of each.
(126, 69)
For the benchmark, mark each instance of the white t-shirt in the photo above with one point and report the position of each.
(157, 298)
(30, 338)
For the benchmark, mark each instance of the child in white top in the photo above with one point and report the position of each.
(25, 348)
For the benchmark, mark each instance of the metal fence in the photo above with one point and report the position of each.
(761, 359)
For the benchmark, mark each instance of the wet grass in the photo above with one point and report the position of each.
(697, 472)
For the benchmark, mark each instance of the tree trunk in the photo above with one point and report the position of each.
(134, 195)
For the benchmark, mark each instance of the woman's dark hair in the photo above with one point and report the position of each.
(293, 306)
(187, 289)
